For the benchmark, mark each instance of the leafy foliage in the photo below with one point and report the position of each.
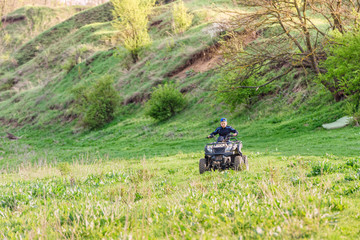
(165, 102)
(74, 59)
(343, 68)
(181, 19)
(320, 168)
(97, 103)
(232, 90)
(131, 19)
(64, 168)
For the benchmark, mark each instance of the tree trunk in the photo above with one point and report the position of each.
(335, 14)
(134, 56)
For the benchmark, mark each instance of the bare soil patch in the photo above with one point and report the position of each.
(137, 97)
(199, 62)
(13, 19)
(210, 57)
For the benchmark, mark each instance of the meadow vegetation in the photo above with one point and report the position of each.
(166, 197)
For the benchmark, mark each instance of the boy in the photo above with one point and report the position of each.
(223, 130)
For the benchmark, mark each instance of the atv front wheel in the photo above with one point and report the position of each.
(202, 165)
(241, 163)
(237, 162)
(245, 163)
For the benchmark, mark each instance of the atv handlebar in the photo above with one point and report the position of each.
(226, 137)
(230, 136)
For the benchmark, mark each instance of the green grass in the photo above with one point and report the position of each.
(31, 21)
(49, 73)
(165, 197)
(267, 127)
(287, 123)
(29, 50)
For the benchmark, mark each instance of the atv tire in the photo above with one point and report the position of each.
(202, 165)
(237, 163)
(245, 163)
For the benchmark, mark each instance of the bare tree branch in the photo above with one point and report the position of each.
(268, 81)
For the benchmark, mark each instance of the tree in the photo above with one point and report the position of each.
(181, 19)
(281, 35)
(342, 64)
(131, 20)
(340, 15)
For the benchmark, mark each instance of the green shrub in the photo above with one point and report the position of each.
(352, 107)
(64, 168)
(97, 103)
(68, 65)
(181, 19)
(342, 64)
(231, 90)
(353, 163)
(320, 168)
(75, 58)
(165, 102)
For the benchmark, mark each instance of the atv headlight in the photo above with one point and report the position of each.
(209, 149)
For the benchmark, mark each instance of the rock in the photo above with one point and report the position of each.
(342, 122)
(11, 136)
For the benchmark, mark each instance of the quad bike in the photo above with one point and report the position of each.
(224, 155)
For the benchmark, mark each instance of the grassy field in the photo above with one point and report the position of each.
(165, 197)
(136, 178)
(135, 135)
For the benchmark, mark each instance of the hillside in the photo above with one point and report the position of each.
(138, 178)
(29, 21)
(36, 92)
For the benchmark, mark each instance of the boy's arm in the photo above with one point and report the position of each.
(214, 133)
(233, 130)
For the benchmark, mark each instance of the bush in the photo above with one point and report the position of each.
(354, 163)
(97, 103)
(68, 65)
(342, 64)
(181, 19)
(64, 168)
(74, 59)
(320, 168)
(165, 102)
(232, 87)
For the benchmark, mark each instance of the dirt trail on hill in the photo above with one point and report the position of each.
(210, 57)
(9, 20)
(199, 62)
(201, 65)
